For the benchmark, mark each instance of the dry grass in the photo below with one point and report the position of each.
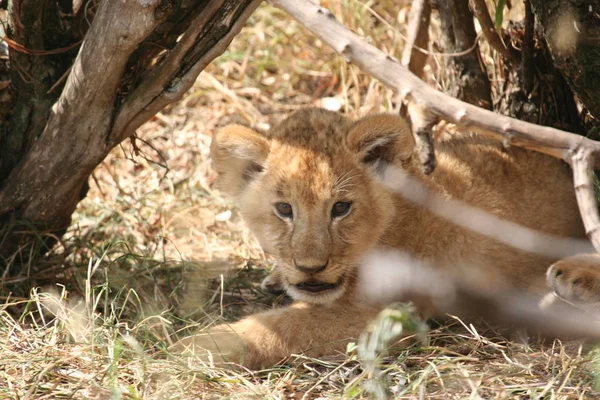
(154, 253)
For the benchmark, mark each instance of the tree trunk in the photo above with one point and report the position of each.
(572, 32)
(76, 92)
(534, 90)
(468, 75)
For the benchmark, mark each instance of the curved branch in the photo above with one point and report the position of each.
(391, 73)
(480, 11)
(422, 122)
(414, 59)
(583, 173)
(171, 79)
(417, 37)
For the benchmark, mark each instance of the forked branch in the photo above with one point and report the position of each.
(390, 72)
(480, 11)
(172, 78)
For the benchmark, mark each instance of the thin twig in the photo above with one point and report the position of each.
(418, 35)
(422, 122)
(414, 60)
(167, 83)
(480, 11)
(582, 162)
(60, 80)
(22, 49)
(423, 50)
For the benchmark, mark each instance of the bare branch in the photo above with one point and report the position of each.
(414, 59)
(391, 73)
(394, 276)
(417, 38)
(482, 222)
(490, 33)
(422, 122)
(582, 162)
(169, 80)
(511, 131)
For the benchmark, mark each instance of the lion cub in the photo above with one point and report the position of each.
(308, 190)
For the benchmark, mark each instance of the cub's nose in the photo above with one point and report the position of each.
(310, 268)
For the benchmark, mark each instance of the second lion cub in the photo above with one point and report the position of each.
(308, 190)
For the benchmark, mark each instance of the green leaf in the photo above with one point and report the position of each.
(500, 13)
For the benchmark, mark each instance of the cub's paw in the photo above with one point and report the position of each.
(576, 278)
(273, 283)
(219, 345)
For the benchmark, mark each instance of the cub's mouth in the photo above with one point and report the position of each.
(315, 286)
(317, 292)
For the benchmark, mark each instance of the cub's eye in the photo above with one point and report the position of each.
(340, 209)
(284, 210)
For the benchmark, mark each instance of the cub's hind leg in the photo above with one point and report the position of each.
(576, 278)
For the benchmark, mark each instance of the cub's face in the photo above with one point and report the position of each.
(307, 191)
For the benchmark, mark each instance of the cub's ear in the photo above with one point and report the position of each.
(238, 154)
(380, 139)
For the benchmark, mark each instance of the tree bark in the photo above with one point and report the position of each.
(32, 75)
(468, 75)
(480, 11)
(572, 31)
(534, 90)
(115, 83)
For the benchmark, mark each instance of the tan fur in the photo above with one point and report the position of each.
(576, 278)
(316, 158)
